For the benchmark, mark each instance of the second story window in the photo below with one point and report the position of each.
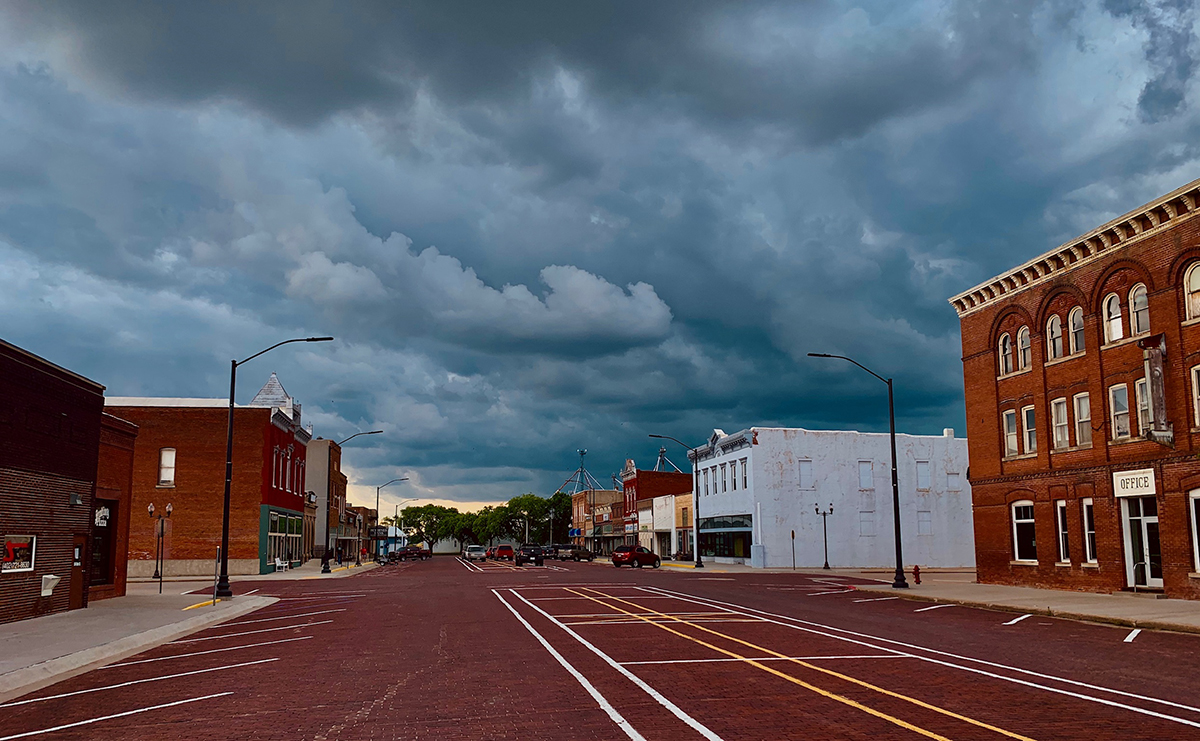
(806, 475)
(1191, 286)
(866, 475)
(1075, 322)
(1054, 337)
(1029, 423)
(733, 474)
(745, 475)
(1139, 310)
(1062, 427)
(1113, 329)
(1010, 433)
(1118, 404)
(1023, 352)
(1083, 420)
(1145, 415)
(923, 476)
(1006, 354)
(166, 467)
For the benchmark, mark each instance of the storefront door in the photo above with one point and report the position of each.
(1143, 554)
(77, 571)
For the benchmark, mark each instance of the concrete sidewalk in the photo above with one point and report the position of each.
(310, 570)
(40, 651)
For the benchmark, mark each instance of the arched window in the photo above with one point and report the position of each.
(1054, 337)
(1006, 354)
(1023, 348)
(1191, 284)
(1139, 310)
(1075, 321)
(1113, 329)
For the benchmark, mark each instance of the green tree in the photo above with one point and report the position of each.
(424, 524)
(530, 511)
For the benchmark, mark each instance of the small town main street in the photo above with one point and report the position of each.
(444, 649)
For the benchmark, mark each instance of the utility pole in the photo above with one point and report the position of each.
(824, 531)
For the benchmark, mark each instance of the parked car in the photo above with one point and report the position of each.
(550, 551)
(529, 553)
(503, 553)
(629, 555)
(574, 553)
(411, 552)
(491, 552)
(475, 553)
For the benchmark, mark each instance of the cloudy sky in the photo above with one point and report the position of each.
(538, 227)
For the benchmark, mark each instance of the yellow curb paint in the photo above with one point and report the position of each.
(202, 604)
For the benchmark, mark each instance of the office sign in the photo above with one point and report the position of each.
(1139, 483)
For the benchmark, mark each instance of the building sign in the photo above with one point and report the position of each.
(1139, 483)
(630, 527)
(17, 553)
(102, 515)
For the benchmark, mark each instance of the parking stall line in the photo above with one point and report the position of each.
(934, 607)
(251, 632)
(876, 599)
(201, 653)
(281, 617)
(763, 658)
(605, 705)
(840, 591)
(89, 721)
(824, 692)
(1016, 620)
(1132, 634)
(821, 629)
(137, 681)
(674, 709)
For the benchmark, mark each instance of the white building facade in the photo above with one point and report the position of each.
(759, 487)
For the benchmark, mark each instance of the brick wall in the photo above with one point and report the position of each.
(1159, 261)
(114, 484)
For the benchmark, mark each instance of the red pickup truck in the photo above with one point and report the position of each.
(413, 552)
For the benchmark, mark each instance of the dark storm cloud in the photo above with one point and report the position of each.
(539, 227)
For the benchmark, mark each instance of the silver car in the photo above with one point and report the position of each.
(475, 553)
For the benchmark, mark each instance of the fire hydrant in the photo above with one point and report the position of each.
(917, 574)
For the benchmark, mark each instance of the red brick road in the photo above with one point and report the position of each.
(437, 650)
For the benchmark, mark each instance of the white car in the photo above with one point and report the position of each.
(475, 553)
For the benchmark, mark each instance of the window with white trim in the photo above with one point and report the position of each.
(1024, 532)
(1194, 516)
(733, 474)
(275, 468)
(923, 476)
(1196, 394)
(166, 467)
(1006, 354)
(1139, 311)
(1054, 337)
(1083, 420)
(1191, 286)
(1062, 425)
(1089, 529)
(706, 482)
(1118, 410)
(1023, 349)
(1029, 425)
(724, 478)
(1010, 433)
(1075, 322)
(1113, 329)
(806, 475)
(866, 475)
(1060, 521)
(745, 475)
(1145, 413)
(924, 522)
(866, 524)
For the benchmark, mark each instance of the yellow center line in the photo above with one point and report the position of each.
(807, 665)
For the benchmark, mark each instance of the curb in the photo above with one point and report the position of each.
(1045, 612)
(32, 678)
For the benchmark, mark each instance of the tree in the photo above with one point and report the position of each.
(560, 517)
(424, 524)
(531, 511)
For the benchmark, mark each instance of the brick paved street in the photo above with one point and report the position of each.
(446, 650)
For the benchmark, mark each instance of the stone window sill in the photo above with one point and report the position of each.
(1070, 450)
(1124, 341)
(1064, 359)
(1126, 440)
(164, 486)
(1063, 564)
(1022, 457)
(1023, 563)
(1190, 322)
(1021, 372)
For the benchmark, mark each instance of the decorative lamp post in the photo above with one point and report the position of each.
(824, 530)
(695, 499)
(159, 529)
(377, 488)
(899, 582)
(223, 589)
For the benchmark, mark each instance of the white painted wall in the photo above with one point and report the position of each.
(861, 526)
(664, 513)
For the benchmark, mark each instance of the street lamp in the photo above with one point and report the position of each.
(695, 499)
(824, 530)
(159, 528)
(377, 488)
(223, 589)
(396, 514)
(325, 561)
(899, 582)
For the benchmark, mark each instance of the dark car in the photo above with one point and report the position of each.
(630, 555)
(413, 552)
(503, 553)
(529, 553)
(550, 551)
(574, 553)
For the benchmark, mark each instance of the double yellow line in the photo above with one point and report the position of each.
(782, 675)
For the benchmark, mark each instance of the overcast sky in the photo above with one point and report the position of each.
(538, 227)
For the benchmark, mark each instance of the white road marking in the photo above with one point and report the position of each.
(201, 653)
(1132, 634)
(252, 591)
(336, 596)
(1016, 620)
(825, 628)
(934, 607)
(136, 681)
(110, 717)
(765, 658)
(251, 632)
(605, 705)
(678, 712)
(876, 599)
(647, 621)
(281, 617)
(840, 591)
(470, 566)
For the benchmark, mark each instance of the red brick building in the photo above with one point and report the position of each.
(52, 434)
(643, 486)
(180, 460)
(1082, 379)
(114, 497)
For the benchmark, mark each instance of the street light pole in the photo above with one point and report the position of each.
(328, 510)
(377, 488)
(695, 499)
(899, 582)
(159, 530)
(223, 590)
(824, 531)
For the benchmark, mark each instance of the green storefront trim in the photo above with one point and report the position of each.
(266, 566)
